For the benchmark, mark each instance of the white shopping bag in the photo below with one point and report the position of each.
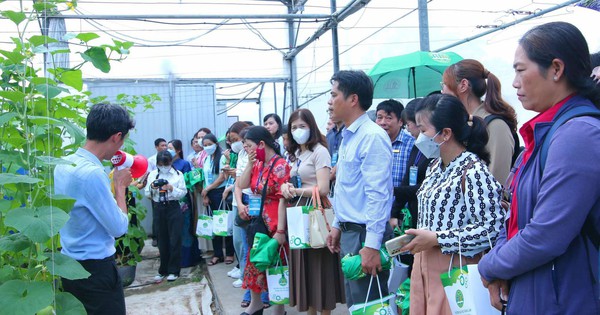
(298, 227)
(380, 306)
(278, 282)
(204, 227)
(220, 219)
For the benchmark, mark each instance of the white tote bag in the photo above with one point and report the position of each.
(380, 306)
(298, 226)
(278, 282)
(465, 291)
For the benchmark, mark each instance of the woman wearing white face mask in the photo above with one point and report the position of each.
(451, 218)
(212, 194)
(170, 219)
(316, 282)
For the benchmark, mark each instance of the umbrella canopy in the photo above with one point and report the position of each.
(413, 75)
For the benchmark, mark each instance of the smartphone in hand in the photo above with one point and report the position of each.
(394, 245)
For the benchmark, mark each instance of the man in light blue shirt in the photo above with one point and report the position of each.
(98, 216)
(363, 189)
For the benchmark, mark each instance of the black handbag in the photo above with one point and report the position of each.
(257, 224)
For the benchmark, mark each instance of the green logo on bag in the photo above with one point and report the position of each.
(282, 282)
(297, 241)
(460, 299)
(205, 225)
(382, 311)
(221, 220)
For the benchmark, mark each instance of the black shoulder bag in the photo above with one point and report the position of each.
(257, 224)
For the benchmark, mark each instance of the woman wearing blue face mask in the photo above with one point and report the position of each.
(460, 210)
(175, 147)
(212, 194)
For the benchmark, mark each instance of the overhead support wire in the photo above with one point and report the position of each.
(193, 16)
(331, 22)
(507, 25)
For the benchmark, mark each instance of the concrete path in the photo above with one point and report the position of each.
(228, 298)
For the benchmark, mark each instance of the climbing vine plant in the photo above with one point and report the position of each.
(42, 117)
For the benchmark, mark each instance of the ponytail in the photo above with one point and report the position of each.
(477, 138)
(495, 105)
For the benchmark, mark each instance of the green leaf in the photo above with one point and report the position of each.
(50, 160)
(62, 202)
(50, 91)
(97, 56)
(67, 304)
(69, 36)
(41, 6)
(43, 80)
(38, 40)
(23, 297)
(7, 273)
(14, 243)
(6, 117)
(86, 37)
(38, 224)
(6, 178)
(16, 17)
(15, 57)
(15, 96)
(65, 266)
(72, 78)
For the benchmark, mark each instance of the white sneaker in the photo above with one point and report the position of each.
(232, 272)
(172, 277)
(158, 278)
(237, 274)
(237, 283)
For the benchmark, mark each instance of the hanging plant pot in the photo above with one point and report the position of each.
(127, 274)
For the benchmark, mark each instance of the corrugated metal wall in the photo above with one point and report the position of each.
(185, 107)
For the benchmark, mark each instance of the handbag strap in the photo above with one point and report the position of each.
(320, 206)
(264, 190)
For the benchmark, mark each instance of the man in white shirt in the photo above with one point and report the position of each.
(160, 144)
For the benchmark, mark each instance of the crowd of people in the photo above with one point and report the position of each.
(528, 217)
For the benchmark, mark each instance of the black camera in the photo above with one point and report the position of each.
(158, 184)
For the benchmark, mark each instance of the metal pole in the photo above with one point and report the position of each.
(292, 65)
(423, 26)
(333, 20)
(275, 96)
(191, 16)
(334, 41)
(172, 104)
(501, 27)
(284, 98)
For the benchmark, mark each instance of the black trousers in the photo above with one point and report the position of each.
(154, 221)
(215, 198)
(170, 224)
(102, 292)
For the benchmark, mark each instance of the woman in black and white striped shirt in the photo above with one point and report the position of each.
(453, 212)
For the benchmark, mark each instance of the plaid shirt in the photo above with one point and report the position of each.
(401, 148)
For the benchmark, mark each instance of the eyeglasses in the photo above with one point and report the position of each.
(442, 84)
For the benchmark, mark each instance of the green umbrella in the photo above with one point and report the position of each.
(413, 75)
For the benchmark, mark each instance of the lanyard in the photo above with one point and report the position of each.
(419, 154)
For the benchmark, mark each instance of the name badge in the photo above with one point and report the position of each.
(412, 175)
(298, 181)
(334, 159)
(210, 177)
(254, 205)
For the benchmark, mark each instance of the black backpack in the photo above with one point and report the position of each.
(518, 148)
